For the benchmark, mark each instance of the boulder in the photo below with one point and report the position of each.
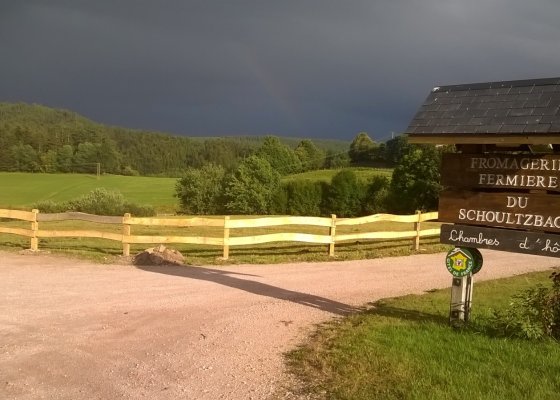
(159, 255)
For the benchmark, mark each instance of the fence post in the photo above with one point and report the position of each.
(332, 233)
(226, 238)
(34, 229)
(126, 234)
(417, 229)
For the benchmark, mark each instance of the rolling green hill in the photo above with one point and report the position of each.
(35, 138)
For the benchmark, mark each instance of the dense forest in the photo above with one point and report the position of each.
(36, 138)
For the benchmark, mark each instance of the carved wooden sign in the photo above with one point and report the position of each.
(501, 171)
(529, 211)
(501, 239)
(488, 192)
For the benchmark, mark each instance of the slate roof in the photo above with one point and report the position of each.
(526, 107)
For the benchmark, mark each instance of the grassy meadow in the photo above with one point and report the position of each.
(21, 190)
(403, 348)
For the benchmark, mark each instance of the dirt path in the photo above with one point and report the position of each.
(75, 330)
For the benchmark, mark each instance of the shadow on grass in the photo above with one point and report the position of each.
(233, 280)
(479, 326)
(385, 310)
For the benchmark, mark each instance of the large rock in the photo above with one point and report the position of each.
(159, 255)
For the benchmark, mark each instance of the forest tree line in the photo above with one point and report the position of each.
(35, 138)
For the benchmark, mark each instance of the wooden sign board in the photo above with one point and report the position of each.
(501, 239)
(501, 171)
(528, 211)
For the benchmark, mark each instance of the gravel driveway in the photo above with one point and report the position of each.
(76, 330)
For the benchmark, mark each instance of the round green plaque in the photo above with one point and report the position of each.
(460, 261)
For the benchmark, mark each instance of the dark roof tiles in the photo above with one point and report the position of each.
(509, 107)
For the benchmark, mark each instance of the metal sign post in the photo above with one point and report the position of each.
(462, 263)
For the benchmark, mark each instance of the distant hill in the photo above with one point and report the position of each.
(39, 138)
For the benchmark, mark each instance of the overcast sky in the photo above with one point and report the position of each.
(316, 68)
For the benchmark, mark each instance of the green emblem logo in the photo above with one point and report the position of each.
(460, 262)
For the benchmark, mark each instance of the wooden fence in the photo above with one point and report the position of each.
(227, 223)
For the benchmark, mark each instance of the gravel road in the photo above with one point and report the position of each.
(75, 330)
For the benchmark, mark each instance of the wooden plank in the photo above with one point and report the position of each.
(501, 171)
(387, 235)
(430, 232)
(174, 239)
(544, 244)
(17, 214)
(528, 211)
(184, 222)
(79, 216)
(375, 235)
(377, 218)
(430, 216)
(484, 139)
(276, 221)
(89, 234)
(17, 231)
(279, 237)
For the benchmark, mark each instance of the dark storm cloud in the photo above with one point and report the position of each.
(302, 68)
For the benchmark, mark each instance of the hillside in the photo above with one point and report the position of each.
(39, 138)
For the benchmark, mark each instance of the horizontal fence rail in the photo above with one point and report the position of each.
(226, 224)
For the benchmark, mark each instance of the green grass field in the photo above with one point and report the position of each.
(404, 349)
(21, 190)
(363, 173)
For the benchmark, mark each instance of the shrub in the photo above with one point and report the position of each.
(344, 195)
(532, 314)
(100, 202)
(304, 197)
(279, 200)
(129, 171)
(137, 210)
(377, 194)
(49, 206)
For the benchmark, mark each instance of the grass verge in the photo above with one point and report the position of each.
(403, 348)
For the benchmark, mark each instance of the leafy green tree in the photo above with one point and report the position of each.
(24, 158)
(335, 160)
(251, 187)
(48, 161)
(415, 184)
(200, 191)
(65, 158)
(85, 157)
(361, 148)
(310, 156)
(396, 149)
(344, 195)
(108, 155)
(281, 157)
